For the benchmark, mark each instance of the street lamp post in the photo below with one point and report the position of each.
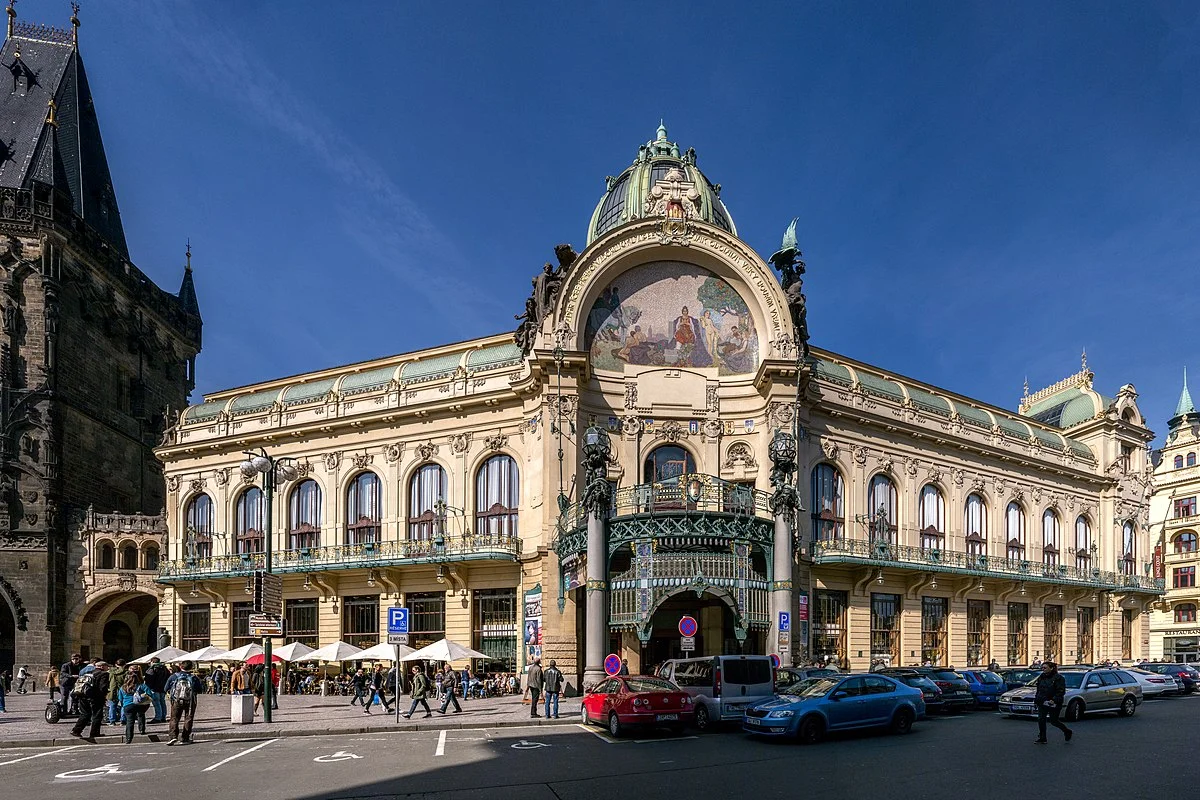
(270, 468)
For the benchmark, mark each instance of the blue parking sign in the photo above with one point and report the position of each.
(785, 621)
(397, 620)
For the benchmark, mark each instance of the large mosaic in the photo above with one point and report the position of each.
(671, 314)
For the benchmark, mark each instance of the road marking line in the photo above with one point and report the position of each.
(239, 755)
(40, 755)
(441, 745)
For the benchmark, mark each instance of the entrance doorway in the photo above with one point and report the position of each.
(8, 637)
(715, 635)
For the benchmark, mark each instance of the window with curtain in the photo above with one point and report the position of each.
(250, 511)
(1050, 539)
(425, 488)
(363, 509)
(932, 517)
(1185, 542)
(1185, 612)
(1014, 532)
(495, 628)
(881, 496)
(828, 504)
(1128, 549)
(667, 463)
(304, 515)
(497, 497)
(199, 527)
(1083, 543)
(975, 525)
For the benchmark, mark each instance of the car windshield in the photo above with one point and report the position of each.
(918, 682)
(649, 685)
(1074, 679)
(813, 687)
(947, 675)
(989, 677)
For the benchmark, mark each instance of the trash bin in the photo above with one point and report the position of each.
(241, 709)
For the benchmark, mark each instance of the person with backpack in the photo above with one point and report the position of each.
(449, 686)
(218, 679)
(183, 690)
(116, 678)
(420, 690)
(134, 697)
(156, 680)
(553, 681)
(258, 686)
(90, 692)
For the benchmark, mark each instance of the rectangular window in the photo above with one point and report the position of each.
(426, 618)
(239, 625)
(301, 617)
(1018, 633)
(1087, 620)
(1052, 617)
(194, 627)
(979, 632)
(885, 629)
(829, 627)
(1185, 507)
(1127, 617)
(1183, 577)
(360, 620)
(495, 629)
(934, 614)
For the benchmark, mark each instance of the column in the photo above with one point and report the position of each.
(597, 599)
(781, 587)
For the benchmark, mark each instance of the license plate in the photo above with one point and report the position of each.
(666, 717)
(735, 706)
(753, 721)
(1022, 708)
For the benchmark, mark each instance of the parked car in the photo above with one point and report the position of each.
(817, 706)
(1154, 684)
(721, 687)
(1089, 691)
(787, 676)
(985, 686)
(930, 692)
(637, 700)
(1016, 678)
(1184, 673)
(956, 692)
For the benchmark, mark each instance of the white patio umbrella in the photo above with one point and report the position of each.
(383, 652)
(165, 654)
(242, 653)
(443, 650)
(293, 651)
(204, 654)
(338, 651)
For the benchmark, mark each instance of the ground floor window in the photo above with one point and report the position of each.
(1127, 618)
(885, 629)
(495, 629)
(934, 614)
(426, 618)
(829, 627)
(1018, 633)
(194, 628)
(1052, 616)
(360, 620)
(979, 632)
(1087, 622)
(239, 625)
(1182, 650)
(301, 617)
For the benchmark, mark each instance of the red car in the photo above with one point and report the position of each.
(637, 700)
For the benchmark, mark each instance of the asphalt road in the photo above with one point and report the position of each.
(979, 755)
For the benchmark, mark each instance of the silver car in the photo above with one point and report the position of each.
(1089, 691)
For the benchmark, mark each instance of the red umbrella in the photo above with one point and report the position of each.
(258, 659)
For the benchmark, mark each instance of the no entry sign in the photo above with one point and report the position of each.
(612, 664)
(687, 626)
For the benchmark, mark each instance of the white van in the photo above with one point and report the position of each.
(722, 687)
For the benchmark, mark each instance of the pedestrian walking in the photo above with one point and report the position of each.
(156, 679)
(359, 682)
(52, 681)
(116, 678)
(536, 682)
(1051, 689)
(183, 690)
(239, 681)
(90, 692)
(218, 679)
(68, 674)
(450, 687)
(22, 676)
(134, 696)
(378, 688)
(258, 686)
(553, 680)
(624, 667)
(420, 690)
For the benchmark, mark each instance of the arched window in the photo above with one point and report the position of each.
(425, 489)
(932, 523)
(129, 557)
(198, 543)
(667, 462)
(828, 504)
(304, 515)
(1185, 542)
(1050, 540)
(497, 496)
(150, 557)
(882, 508)
(975, 525)
(1014, 532)
(363, 509)
(1178, 462)
(1191, 459)
(1083, 543)
(1185, 612)
(1128, 549)
(250, 524)
(106, 557)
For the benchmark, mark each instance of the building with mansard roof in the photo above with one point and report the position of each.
(658, 441)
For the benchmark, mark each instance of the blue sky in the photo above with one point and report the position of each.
(984, 189)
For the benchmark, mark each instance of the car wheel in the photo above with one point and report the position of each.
(703, 723)
(1128, 706)
(902, 721)
(812, 730)
(53, 713)
(1074, 711)
(614, 725)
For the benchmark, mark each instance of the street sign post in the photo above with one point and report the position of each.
(266, 625)
(785, 621)
(397, 638)
(687, 626)
(612, 664)
(397, 620)
(268, 593)
(687, 644)
(785, 640)
(774, 661)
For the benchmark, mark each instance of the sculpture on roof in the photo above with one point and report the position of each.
(539, 305)
(787, 260)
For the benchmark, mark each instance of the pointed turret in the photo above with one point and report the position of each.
(1185, 409)
(187, 290)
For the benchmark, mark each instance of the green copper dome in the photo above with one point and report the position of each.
(660, 183)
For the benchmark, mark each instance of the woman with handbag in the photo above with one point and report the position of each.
(134, 697)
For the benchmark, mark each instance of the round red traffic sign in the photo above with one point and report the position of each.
(774, 661)
(612, 664)
(687, 626)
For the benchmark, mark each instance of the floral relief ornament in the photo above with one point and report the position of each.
(459, 443)
(392, 452)
(497, 442)
(332, 460)
(739, 454)
(173, 484)
(712, 428)
(361, 460)
(829, 448)
(426, 451)
(860, 454)
(672, 431)
(632, 425)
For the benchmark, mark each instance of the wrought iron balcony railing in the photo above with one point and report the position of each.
(886, 554)
(705, 494)
(348, 556)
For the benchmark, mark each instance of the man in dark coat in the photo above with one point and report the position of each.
(67, 675)
(1051, 690)
(92, 699)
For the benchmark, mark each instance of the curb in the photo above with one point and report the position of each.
(251, 733)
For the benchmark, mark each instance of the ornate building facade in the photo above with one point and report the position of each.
(657, 439)
(92, 355)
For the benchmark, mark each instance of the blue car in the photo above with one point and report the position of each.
(986, 686)
(810, 709)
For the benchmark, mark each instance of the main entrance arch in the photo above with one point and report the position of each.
(119, 625)
(717, 628)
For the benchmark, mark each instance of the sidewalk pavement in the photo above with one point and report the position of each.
(298, 715)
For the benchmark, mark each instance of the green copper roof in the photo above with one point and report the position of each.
(205, 411)
(307, 392)
(430, 368)
(1013, 428)
(974, 416)
(249, 403)
(833, 372)
(1048, 439)
(1185, 404)
(366, 381)
(928, 402)
(880, 386)
(501, 355)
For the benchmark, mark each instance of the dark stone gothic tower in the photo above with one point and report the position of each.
(92, 354)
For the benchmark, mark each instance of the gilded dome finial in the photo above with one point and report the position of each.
(662, 131)
(51, 119)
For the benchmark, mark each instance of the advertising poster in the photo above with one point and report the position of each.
(533, 624)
